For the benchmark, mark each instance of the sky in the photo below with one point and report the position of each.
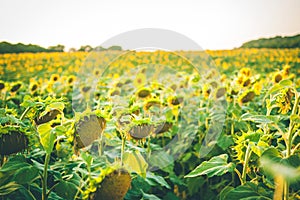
(212, 24)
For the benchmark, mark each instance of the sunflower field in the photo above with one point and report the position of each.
(150, 125)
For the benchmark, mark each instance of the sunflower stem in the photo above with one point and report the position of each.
(25, 112)
(122, 148)
(45, 174)
(245, 165)
(290, 141)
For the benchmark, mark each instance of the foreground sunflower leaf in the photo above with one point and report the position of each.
(249, 191)
(216, 166)
(47, 137)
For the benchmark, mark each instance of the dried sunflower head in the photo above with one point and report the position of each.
(88, 129)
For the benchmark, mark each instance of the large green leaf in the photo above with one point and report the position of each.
(216, 166)
(281, 85)
(259, 118)
(66, 190)
(155, 180)
(26, 174)
(47, 137)
(9, 188)
(135, 162)
(9, 169)
(249, 191)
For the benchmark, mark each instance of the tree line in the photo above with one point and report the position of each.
(6, 47)
(277, 42)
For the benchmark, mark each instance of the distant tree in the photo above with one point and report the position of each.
(85, 48)
(99, 48)
(116, 48)
(72, 49)
(57, 48)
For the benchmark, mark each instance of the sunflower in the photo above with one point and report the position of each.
(152, 103)
(277, 77)
(206, 90)
(140, 80)
(141, 131)
(33, 86)
(220, 92)
(54, 78)
(2, 85)
(111, 184)
(246, 82)
(143, 92)
(88, 129)
(16, 86)
(283, 101)
(175, 101)
(71, 79)
(96, 72)
(286, 70)
(245, 72)
(257, 87)
(246, 96)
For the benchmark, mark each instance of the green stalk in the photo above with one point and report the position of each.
(122, 148)
(25, 113)
(290, 142)
(245, 165)
(291, 127)
(45, 174)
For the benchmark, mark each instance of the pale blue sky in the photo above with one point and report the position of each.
(213, 24)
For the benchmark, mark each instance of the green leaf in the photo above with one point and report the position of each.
(249, 191)
(262, 119)
(10, 167)
(216, 166)
(285, 167)
(155, 180)
(66, 190)
(285, 83)
(26, 175)
(259, 148)
(9, 188)
(149, 196)
(282, 84)
(47, 137)
(135, 162)
(225, 141)
(56, 105)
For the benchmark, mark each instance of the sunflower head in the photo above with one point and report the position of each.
(143, 92)
(54, 78)
(15, 86)
(2, 85)
(277, 77)
(220, 92)
(88, 129)
(246, 97)
(245, 71)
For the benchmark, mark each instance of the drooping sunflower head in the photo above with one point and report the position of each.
(277, 77)
(143, 92)
(221, 91)
(283, 100)
(2, 85)
(140, 129)
(246, 97)
(15, 86)
(88, 128)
